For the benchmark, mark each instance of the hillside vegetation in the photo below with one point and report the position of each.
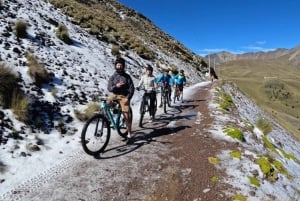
(272, 84)
(125, 28)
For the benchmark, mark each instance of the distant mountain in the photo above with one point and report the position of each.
(290, 55)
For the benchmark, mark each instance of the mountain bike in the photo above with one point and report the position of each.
(96, 132)
(165, 96)
(176, 93)
(147, 106)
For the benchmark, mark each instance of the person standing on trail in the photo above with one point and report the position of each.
(212, 74)
(148, 82)
(165, 80)
(122, 88)
(180, 81)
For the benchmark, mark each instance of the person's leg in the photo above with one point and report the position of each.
(128, 123)
(181, 92)
(152, 104)
(161, 97)
(125, 104)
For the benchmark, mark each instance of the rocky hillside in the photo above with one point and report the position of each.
(77, 56)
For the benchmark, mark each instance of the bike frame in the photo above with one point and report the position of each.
(110, 116)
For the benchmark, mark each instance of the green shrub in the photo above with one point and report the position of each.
(235, 154)
(63, 34)
(267, 168)
(8, 83)
(37, 71)
(21, 29)
(214, 179)
(213, 160)
(269, 144)
(254, 181)
(239, 197)
(234, 132)
(264, 125)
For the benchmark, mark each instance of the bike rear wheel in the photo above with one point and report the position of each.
(95, 135)
(121, 123)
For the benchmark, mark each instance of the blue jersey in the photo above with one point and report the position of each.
(179, 79)
(164, 79)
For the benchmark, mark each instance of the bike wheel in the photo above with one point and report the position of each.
(95, 135)
(122, 129)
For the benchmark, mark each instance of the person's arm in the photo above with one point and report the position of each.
(130, 89)
(158, 79)
(184, 80)
(110, 86)
(141, 82)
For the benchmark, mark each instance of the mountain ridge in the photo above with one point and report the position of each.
(290, 55)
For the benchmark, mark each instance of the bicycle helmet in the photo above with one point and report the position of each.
(181, 71)
(120, 61)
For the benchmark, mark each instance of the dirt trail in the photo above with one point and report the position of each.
(168, 161)
(190, 176)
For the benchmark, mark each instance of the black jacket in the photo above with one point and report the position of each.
(127, 89)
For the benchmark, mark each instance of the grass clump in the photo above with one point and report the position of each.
(214, 179)
(37, 71)
(213, 160)
(226, 102)
(269, 144)
(235, 154)
(8, 83)
(248, 124)
(234, 132)
(21, 29)
(20, 106)
(288, 156)
(267, 168)
(264, 125)
(254, 181)
(279, 166)
(88, 112)
(62, 33)
(239, 197)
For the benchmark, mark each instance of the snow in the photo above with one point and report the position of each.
(88, 64)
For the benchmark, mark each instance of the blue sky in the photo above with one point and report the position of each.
(237, 26)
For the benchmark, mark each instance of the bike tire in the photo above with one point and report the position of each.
(122, 129)
(95, 134)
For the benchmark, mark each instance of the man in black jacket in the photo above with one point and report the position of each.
(121, 85)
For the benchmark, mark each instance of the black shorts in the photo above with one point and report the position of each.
(180, 86)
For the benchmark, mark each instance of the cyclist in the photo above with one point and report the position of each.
(122, 88)
(179, 81)
(148, 82)
(165, 80)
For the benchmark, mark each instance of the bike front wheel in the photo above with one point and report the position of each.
(95, 135)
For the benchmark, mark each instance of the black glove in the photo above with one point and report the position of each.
(137, 88)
